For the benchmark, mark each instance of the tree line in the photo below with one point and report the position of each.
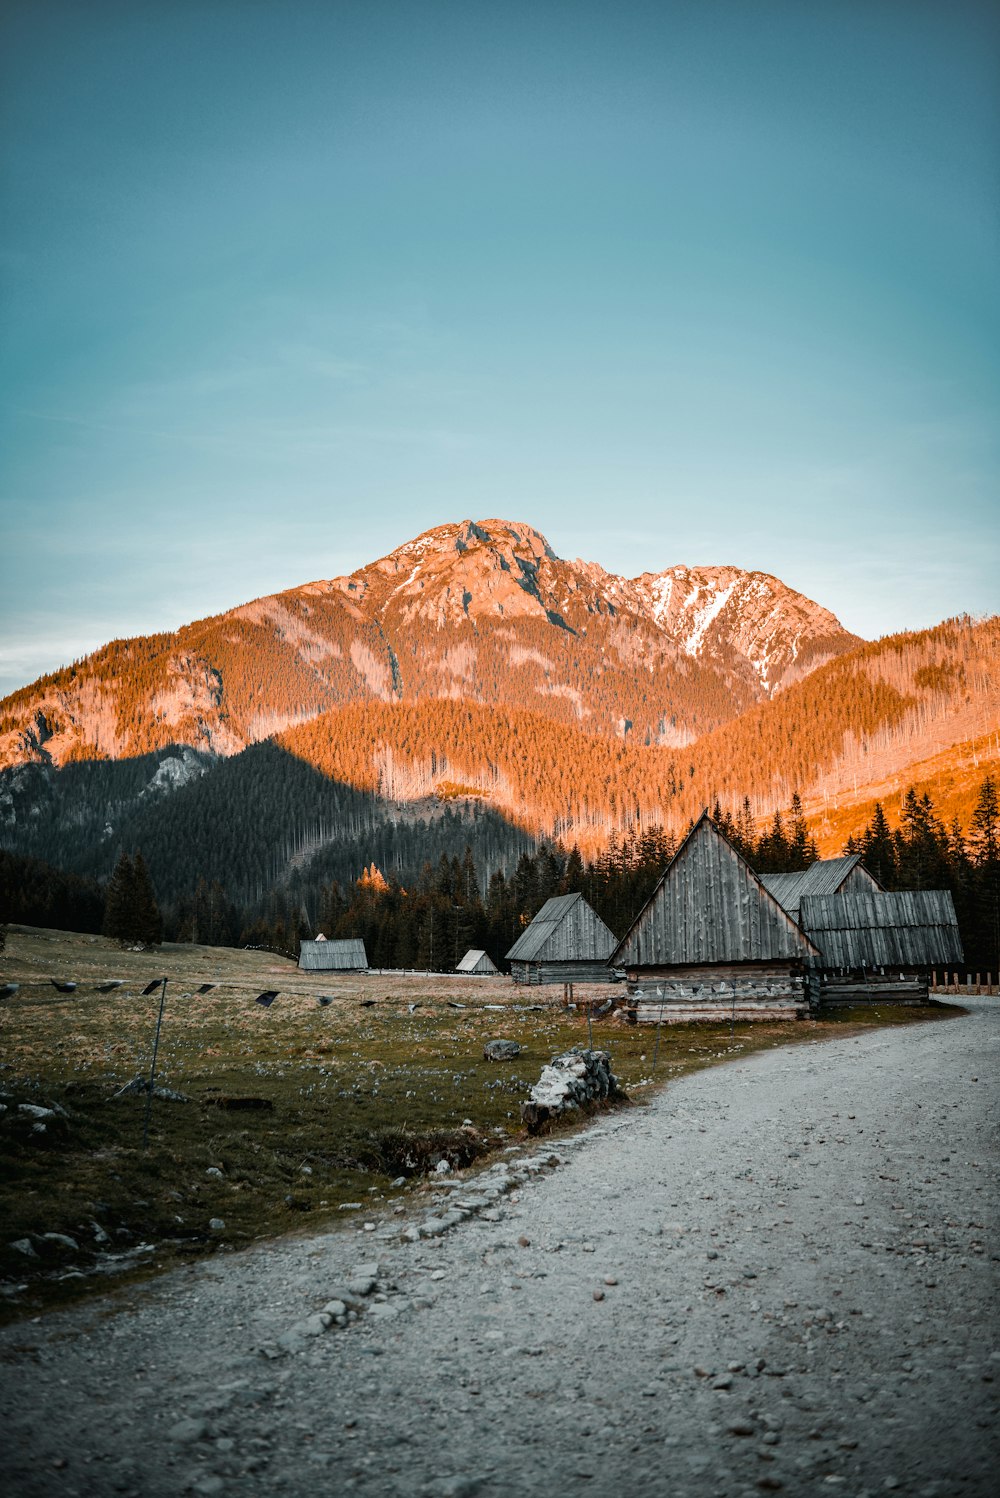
(428, 915)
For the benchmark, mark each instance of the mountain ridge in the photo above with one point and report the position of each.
(475, 610)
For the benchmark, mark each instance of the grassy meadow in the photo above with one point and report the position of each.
(300, 1115)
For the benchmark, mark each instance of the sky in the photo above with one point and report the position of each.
(284, 284)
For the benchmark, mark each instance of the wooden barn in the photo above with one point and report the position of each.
(880, 947)
(713, 943)
(478, 962)
(827, 876)
(322, 956)
(567, 942)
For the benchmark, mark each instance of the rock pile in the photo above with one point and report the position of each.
(579, 1078)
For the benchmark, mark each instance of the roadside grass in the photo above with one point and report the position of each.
(299, 1115)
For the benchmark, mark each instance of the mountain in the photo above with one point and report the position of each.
(482, 612)
(399, 782)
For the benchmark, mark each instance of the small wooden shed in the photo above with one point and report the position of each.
(478, 962)
(879, 947)
(713, 943)
(567, 942)
(827, 876)
(322, 956)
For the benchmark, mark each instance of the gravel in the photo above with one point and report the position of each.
(779, 1276)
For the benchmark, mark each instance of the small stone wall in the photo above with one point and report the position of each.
(578, 1079)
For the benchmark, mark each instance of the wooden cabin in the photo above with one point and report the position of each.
(880, 947)
(567, 942)
(478, 962)
(712, 943)
(322, 956)
(827, 876)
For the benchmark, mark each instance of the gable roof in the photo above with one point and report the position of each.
(709, 906)
(566, 929)
(877, 928)
(472, 959)
(344, 956)
(824, 877)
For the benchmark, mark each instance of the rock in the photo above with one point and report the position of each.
(24, 1246)
(187, 1431)
(214, 1173)
(501, 1050)
(442, 1168)
(208, 1486)
(335, 1308)
(62, 1240)
(598, 1294)
(216, 1224)
(578, 1078)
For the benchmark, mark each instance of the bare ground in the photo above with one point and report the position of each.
(797, 1255)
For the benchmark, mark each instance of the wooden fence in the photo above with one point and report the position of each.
(970, 983)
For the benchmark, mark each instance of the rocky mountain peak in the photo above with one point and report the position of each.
(478, 610)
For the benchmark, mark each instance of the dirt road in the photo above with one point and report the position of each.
(780, 1275)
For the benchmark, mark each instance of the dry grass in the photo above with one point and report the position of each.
(350, 1096)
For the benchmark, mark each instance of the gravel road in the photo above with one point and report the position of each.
(779, 1275)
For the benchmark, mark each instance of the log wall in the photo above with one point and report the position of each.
(560, 972)
(771, 991)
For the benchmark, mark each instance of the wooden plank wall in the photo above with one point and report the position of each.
(710, 908)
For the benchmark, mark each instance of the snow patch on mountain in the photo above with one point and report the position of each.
(703, 615)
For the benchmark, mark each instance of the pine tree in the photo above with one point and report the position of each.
(984, 828)
(119, 904)
(878, 850)
(148, 921)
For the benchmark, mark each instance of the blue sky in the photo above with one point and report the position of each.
(285, 284)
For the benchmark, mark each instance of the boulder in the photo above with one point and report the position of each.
(501, 1050)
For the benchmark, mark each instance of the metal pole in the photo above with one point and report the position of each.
(152, 1069)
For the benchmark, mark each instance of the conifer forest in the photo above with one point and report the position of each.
(421, 892)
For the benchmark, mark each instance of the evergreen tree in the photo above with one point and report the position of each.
(877, 848)
(119, 904)
(984, 838)
(801, 849)
(148, 921)
(984, 828)
(131, 914)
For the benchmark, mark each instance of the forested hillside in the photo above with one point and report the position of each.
(875, 710)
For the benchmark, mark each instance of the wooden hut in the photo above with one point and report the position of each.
(322, 956)
(827, 876)
(713, 943)
(880, 947)
(567, 942)
(478, 962)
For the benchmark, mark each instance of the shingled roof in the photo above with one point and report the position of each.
(878, 929)
(566, 929)
(824, 877)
